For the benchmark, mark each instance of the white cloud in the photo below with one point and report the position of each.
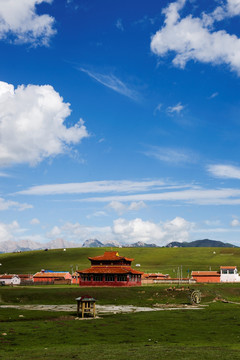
(157, 109)
(235, 222)
(19, 21)
(32, 124)
(171, 155)
(34, 221)
(121, 208)
(215, 94)
(8, 231)
(95, 187)
(128, 231)
(189, 196)
(112, 82)
(119, 25)
(176, 108)
(8, 204)
(139, 230)
(79, 232)
(194, 38)
(224, 171)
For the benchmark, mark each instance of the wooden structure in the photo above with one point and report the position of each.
(86, 306)
(110, 269)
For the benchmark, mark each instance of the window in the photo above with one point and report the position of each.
(231, 271)
(122, 278)
(224, 271)
(97, 278)
(86, 277)
(110, 277)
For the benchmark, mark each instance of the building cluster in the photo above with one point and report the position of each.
(111, 269)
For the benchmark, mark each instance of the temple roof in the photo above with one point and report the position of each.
(111, 256)
(110, 270)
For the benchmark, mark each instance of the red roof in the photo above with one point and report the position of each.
(9, 276)
(205, 273)
(110, 255)
(50, 275)
(110, 270)
(227, 267)
(155, 275)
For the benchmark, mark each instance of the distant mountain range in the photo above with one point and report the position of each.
(200, 243)
(27, 245)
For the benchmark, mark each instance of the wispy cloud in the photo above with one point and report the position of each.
(112, 82)
(215, 94)
(176, 108)
(98, 187)
(171, 155)
(189, 196)
(119, 25)
(224, 171)
(157, 109)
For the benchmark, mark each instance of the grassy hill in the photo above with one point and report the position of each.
(166, 260)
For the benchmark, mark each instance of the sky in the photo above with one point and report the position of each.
(120, 120)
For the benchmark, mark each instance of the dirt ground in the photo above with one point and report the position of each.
(105, 309)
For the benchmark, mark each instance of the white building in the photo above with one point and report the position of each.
(229, 274)
(10, 279)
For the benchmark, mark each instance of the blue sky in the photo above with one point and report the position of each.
(120, 120)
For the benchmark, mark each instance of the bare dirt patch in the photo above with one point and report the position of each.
(106, 309)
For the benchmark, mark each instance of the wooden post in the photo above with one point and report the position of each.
(94, 310)
(83, 308)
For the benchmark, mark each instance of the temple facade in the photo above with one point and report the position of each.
(110, 269)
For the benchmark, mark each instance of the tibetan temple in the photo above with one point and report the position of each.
(110, 269)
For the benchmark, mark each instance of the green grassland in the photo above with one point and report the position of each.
(165, 260)
(212, 332)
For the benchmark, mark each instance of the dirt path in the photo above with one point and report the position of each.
(105, 309)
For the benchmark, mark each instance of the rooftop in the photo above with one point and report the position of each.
(110, 255)
(110, 270)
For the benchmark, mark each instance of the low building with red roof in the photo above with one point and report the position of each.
(110, 269)
(206, 276)
(52, 277)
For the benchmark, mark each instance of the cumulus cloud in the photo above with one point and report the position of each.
(194, 38)
(32, 124)
(120, 208)
(34, 221)
(9, 231)
(20, 23)
(128, 231)
(147, 231)
(224, 171)
(235, 222)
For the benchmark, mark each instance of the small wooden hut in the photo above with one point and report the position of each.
(86, 306)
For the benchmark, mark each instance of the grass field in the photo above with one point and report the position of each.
(212, 332)
(164, 260)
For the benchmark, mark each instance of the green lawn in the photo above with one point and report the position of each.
(166, 260)
(211, 333)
